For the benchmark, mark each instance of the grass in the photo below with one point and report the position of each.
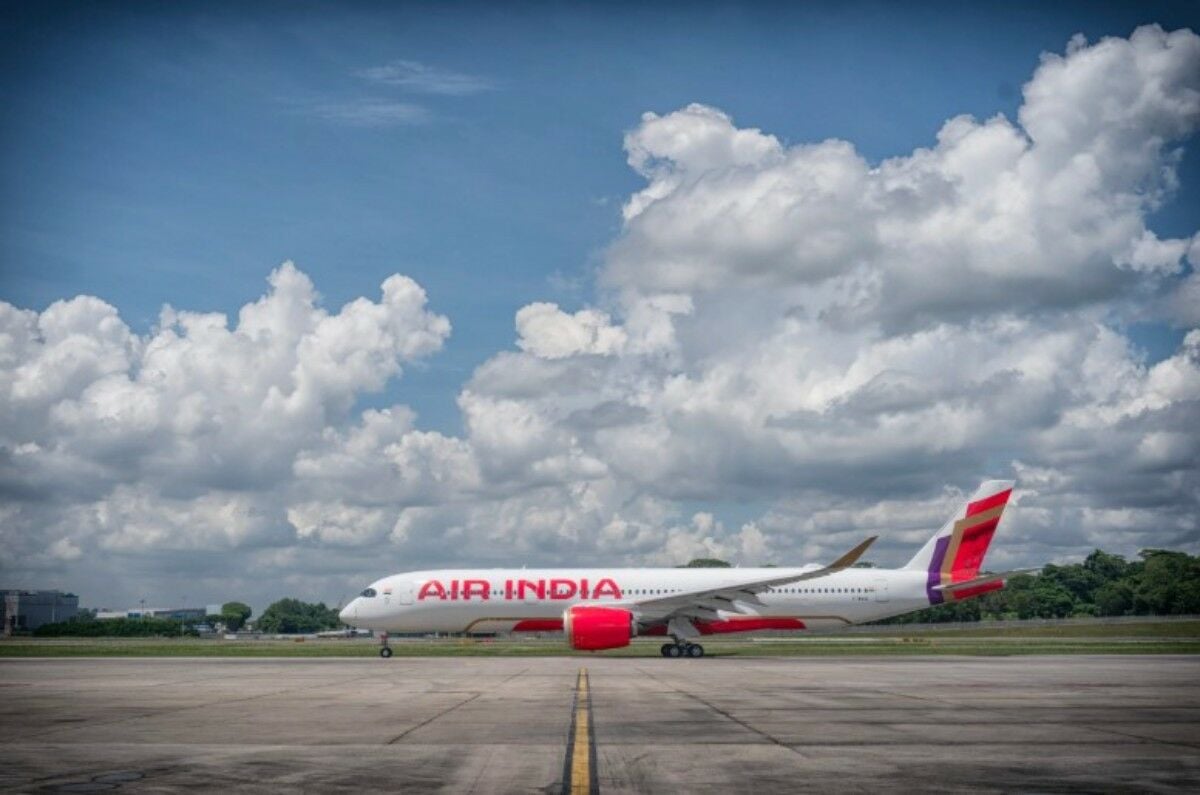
(1150, 637)
(1099, 629)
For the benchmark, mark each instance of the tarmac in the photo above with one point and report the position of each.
(853, 724)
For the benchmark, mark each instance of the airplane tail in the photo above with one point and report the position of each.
(953, 556)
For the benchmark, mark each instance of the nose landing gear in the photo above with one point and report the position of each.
(682, 649)
(385, 650)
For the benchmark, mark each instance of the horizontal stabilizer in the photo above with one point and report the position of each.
(982, 579)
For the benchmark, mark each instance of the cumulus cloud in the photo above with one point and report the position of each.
(839, 346)
(546, 331)
(187, 437)
(850, 333)
(995, 214)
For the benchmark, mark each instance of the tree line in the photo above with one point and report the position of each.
(86, 625)
(285, 616)
(1160, 583)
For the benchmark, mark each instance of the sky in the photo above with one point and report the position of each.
(296, 295)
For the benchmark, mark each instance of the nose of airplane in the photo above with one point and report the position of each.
(349, 612)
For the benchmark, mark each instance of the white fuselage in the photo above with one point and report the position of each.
(504, 600)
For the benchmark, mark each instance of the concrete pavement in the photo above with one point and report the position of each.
(502, 724)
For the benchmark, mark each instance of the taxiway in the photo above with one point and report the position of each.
(1095, 723)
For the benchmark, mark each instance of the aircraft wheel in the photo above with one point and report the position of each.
(674, 651)
(385, 652)
(666, 649)
(694, 650)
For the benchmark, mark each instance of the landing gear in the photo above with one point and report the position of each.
(385, 650)
(677, 650)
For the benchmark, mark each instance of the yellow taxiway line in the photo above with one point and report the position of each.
(579, 774)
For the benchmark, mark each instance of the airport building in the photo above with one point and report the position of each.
(178, 613)
(28, 610)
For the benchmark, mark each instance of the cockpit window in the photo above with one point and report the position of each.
(368, 593)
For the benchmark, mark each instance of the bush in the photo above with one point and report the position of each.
(114, 628)
(292, 615)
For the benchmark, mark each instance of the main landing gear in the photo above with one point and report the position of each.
(385, 650)
(682, 649)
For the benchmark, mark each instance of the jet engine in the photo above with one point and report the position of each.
(591, 628)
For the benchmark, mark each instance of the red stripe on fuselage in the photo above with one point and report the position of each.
(539, 625)
(733, 625)
(747, 625)
(987, 503)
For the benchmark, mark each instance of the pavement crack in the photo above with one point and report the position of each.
(508, 679)
(728, 716)
(430, 720)
(222, 702)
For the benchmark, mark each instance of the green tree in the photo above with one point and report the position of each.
(1167, 583)
(1114, 598)
(705, 563)
(1076, 579)
(234, 615)
(293, 615)
(1106, 567)
(1050, 599)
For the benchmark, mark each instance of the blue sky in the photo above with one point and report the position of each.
(176, 154)
(816, 306)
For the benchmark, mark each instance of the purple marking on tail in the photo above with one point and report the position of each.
(935, 570)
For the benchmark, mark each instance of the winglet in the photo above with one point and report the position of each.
(851, 557)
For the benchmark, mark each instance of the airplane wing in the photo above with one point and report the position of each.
(983, 579)
(734, 595)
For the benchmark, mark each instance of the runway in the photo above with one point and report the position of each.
(854, 724)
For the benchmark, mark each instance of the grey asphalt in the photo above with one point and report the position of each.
(1048, 724)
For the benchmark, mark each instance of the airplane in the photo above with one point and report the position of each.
(606, 608)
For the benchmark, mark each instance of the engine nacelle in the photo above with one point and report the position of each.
(592, 627)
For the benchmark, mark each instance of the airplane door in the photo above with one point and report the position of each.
(405, 593)
(881, 590)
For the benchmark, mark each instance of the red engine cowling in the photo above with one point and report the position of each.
(591, 628)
